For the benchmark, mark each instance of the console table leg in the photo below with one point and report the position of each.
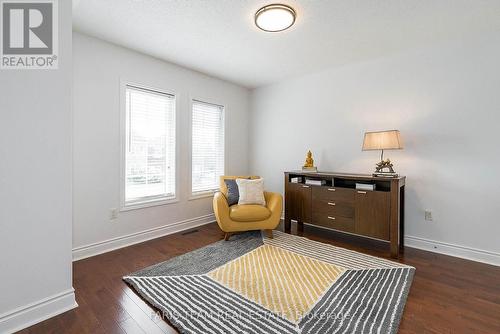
(394, 249)
(395, 218)
(402, 219)
(300, 227)
(288, 225)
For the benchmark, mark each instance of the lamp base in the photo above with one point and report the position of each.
(384, 169)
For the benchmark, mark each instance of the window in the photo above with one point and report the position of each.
(149, 146)
(207, 147)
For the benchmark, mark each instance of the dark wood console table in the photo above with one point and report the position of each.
(338, 205)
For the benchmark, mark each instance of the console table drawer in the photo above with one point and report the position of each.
(334, 222)
(334, 207)
(333, 193)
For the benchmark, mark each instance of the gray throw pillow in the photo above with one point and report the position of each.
(233, 194)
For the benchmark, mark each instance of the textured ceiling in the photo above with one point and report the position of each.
(218, 37)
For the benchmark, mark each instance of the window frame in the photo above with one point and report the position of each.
(152, 201)
(197, 98)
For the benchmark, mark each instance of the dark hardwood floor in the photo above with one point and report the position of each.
(448, 295)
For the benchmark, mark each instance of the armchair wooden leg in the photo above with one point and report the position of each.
(269, 233)
(227, 235)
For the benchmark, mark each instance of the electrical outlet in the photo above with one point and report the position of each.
(428, 215)
(113, 213)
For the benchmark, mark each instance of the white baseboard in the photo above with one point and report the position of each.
(38, 311)
(453, 250)
(440, 247)
(104, 246)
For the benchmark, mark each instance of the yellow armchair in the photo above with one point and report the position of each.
(238, 218)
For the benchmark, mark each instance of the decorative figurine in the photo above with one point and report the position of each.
(384, 164)
(309, 160)
(309, 164)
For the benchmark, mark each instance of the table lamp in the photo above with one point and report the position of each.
(383, 140)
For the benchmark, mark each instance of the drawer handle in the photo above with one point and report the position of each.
(361, 192)
(332, 204)
(305, 186)
(332, 218)
(331, 189)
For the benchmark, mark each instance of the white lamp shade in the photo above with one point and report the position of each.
(382, 140)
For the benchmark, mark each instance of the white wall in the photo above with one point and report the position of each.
(98, 69)
(444, 99)
(35, 189)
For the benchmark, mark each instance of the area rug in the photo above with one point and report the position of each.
(288, 284)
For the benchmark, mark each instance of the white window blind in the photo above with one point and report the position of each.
(150, 146)
(207, 161)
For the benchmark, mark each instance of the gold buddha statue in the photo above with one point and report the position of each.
(309, 160)
(309, 163)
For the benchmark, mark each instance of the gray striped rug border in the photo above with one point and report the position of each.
(197, 304)
(205, 259)
(361, 301)
(342, 257)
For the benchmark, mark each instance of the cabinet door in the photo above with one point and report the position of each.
(373, 214)
(298, 202)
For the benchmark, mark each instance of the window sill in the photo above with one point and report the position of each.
(202, 195)
(148, 204)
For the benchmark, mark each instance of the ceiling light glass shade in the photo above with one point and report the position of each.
(276, 17)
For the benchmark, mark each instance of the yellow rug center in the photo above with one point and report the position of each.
(281, 281)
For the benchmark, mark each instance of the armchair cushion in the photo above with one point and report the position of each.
(249, 213)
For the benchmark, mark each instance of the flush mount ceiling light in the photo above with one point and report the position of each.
(275, 17)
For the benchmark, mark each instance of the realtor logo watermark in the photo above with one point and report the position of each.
(29, 37)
